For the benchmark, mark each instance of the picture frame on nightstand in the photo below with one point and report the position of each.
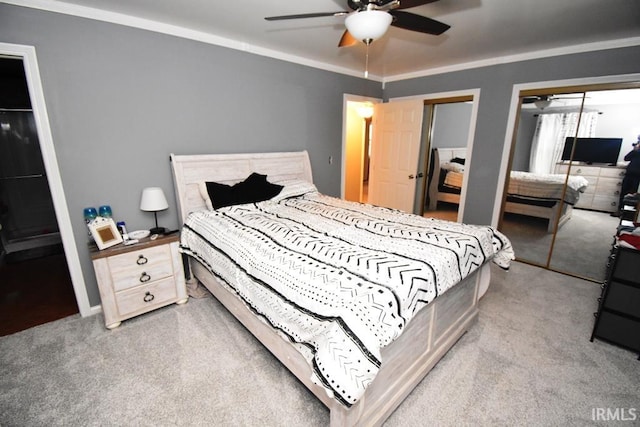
(104, 232)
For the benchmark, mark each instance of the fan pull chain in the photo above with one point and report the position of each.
(366, 63)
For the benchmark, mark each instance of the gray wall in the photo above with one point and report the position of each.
(496, 85)
(451, 125)
(524, 138)
(120, 100)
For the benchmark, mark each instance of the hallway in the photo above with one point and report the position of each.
(35, 291)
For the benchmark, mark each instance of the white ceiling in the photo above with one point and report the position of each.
(483, 31)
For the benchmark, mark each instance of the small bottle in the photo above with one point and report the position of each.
(122, 228)
(104, 211)
(89, 215)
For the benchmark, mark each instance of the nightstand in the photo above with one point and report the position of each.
(138, 278)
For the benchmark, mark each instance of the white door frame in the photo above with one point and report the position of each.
(514, 107)
(36, 95)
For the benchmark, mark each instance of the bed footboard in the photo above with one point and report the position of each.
(406, 361)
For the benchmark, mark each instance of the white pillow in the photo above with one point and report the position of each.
(293, 188)
(451, 166)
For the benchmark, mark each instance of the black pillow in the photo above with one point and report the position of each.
(221, 195)
(254, 189)
(458, 160)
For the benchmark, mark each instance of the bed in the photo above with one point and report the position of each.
(389, 365)
(528, 194)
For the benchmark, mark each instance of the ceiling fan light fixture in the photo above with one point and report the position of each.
(542, 103)
(368, 25)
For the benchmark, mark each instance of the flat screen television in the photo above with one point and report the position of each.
(593, 150)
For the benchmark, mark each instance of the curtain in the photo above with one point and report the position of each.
(551, 131)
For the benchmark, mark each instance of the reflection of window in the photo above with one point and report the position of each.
(551, 131)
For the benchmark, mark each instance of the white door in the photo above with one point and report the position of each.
(395, 147)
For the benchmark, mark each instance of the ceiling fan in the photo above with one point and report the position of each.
(368, 20)
(543, 101)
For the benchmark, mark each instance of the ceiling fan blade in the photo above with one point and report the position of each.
(413, 22)
(347, 39)
(306, 15)
(529, 99)
(408, 4)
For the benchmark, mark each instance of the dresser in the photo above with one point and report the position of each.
(605, 183)
(618, 316)
(138, 278)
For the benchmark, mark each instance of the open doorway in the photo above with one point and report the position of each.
(36, 285)
(356, 147)
(429, 105)
(449, 130)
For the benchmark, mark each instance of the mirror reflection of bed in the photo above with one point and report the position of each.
(582, 243)
(450, 127)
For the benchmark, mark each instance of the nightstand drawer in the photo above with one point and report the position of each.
(139, 267)
(145, 298)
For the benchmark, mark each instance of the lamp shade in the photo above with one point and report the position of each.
(153, 200)
(368, 25)
(365, 110)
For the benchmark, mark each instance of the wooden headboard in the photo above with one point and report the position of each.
(444, 155)
(440, 156)
(190, 170)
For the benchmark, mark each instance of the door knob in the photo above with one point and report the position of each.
(420, 175)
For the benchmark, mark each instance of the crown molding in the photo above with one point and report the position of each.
(177, 31)
(538, 54)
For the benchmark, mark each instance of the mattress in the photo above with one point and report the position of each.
(532, 186)
(339, 280)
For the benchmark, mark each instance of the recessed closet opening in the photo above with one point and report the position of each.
(564, 184)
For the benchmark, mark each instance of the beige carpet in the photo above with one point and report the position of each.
(528, 361)
(582, 245)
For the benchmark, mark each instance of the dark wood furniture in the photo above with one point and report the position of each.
(618, 316)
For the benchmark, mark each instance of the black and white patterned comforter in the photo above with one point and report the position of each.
(535, 185)
(340, 280)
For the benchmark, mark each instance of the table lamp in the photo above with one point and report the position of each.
(153, 200)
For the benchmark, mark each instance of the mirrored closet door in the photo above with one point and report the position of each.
(566, 169)
(448, 125)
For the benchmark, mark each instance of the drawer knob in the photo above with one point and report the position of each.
(148, 297)
(144, 277)
(142, 260)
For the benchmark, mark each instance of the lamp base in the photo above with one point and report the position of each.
(158, 230)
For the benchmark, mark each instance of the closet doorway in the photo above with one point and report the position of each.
(447, 135)
(450, 117)
(36, 286)
(565, 171)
